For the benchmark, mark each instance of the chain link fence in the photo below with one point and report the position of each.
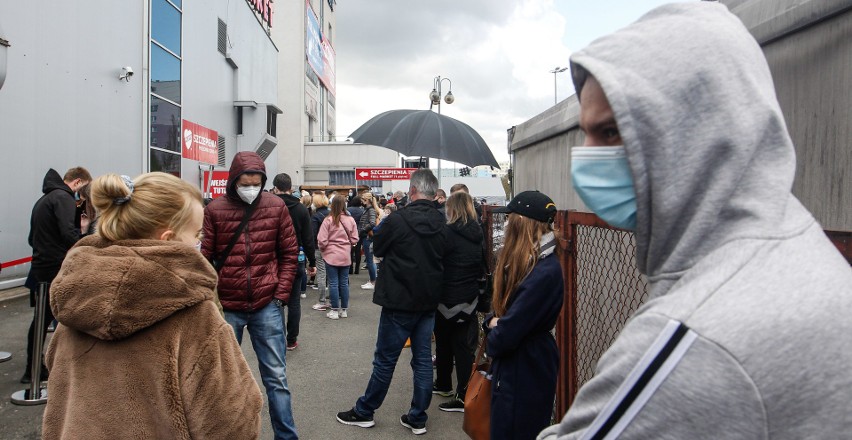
(608, 290)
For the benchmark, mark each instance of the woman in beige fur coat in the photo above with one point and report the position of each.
(142, 350)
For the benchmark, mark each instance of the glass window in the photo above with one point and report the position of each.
(165, 74)
(165, 162)
(165, 125)
(165, 25)
(177, 3)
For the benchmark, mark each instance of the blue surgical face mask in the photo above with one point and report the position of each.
(602, 178)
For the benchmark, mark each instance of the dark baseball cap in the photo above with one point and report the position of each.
(532, 204)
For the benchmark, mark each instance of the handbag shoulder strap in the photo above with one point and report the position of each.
(479, 352)
(219, 262)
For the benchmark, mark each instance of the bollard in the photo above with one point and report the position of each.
(36, 395)
(5, 356)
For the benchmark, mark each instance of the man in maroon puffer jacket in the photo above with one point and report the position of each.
(257, 275)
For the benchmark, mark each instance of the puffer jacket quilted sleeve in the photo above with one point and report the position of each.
(262, 265)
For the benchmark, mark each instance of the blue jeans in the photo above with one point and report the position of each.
(394, 328)
(338, 285)
(266, 329)
(368, 255)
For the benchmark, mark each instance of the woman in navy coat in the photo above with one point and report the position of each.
(528, 293)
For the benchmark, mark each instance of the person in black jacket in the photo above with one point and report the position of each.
(412, 242)
(282, 185)
(54, 229)
(356, 209)
(456, 328)
(527, 299)
(320, 203)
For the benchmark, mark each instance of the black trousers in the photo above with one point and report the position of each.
(294, 306)
(454, 342)
(356, 257)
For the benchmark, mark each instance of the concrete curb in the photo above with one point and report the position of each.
(13, 293)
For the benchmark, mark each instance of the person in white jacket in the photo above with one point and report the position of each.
(746, 331)
(337, 234)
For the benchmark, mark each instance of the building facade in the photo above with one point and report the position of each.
(177, 86)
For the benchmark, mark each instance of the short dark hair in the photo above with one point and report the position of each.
(283, 182)
(77, 173)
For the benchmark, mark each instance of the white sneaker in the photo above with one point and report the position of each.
(303, 295)
(344, 313)
(368, 285)
(332, 314)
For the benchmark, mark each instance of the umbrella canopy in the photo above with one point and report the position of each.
(426, 133)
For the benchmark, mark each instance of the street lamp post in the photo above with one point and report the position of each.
(435, 98)
(554, 72)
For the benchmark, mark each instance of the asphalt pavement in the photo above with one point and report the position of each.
(326, 374)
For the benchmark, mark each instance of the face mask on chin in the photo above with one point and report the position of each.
(248, 193)
(603, 180)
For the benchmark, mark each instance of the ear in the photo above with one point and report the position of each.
(165, 234)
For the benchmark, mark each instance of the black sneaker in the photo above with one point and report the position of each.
(416, 428)
(352, 418)
(454, 405)
(442, 393)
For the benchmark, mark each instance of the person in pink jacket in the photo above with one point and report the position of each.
(336, 237)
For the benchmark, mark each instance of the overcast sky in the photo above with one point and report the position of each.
(497, 53)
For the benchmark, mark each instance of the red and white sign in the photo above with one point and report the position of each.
(218, 184)
(384, 173)
(200, 143)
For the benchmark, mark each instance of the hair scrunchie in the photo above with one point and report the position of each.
(129, 183)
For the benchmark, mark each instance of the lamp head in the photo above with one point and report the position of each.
(435, 97)
(449, 99)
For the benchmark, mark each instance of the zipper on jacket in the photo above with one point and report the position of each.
(248, 269)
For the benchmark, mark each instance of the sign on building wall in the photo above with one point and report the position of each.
(218, 183)
(383, 173)
(200, 143)
(319, 51)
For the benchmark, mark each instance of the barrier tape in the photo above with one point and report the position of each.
(16, 262)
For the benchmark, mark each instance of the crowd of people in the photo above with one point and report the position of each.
(153, 290)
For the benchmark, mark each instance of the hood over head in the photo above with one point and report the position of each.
(470, 231)
(423, 217)
(290, 200)
(52, 180)
(113, 289)
(706, 142)
(244, 162)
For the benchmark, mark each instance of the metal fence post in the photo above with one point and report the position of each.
(566, 326)
(36, 395)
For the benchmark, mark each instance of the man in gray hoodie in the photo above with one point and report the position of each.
(746, 330)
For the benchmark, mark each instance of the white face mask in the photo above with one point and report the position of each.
(248, 193)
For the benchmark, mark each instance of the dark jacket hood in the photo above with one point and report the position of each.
(423, 218)
(290, 200)
(52, 181)
(470, 231)
(244, 162)
(113, 289)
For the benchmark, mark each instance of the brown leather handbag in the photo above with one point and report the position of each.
(477, 399)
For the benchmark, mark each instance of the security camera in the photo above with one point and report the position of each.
(126, 73)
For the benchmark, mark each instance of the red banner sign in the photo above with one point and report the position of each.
(200, 143)
(384, 173)
(218, 184)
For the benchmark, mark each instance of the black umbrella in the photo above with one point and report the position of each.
(426, 133)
